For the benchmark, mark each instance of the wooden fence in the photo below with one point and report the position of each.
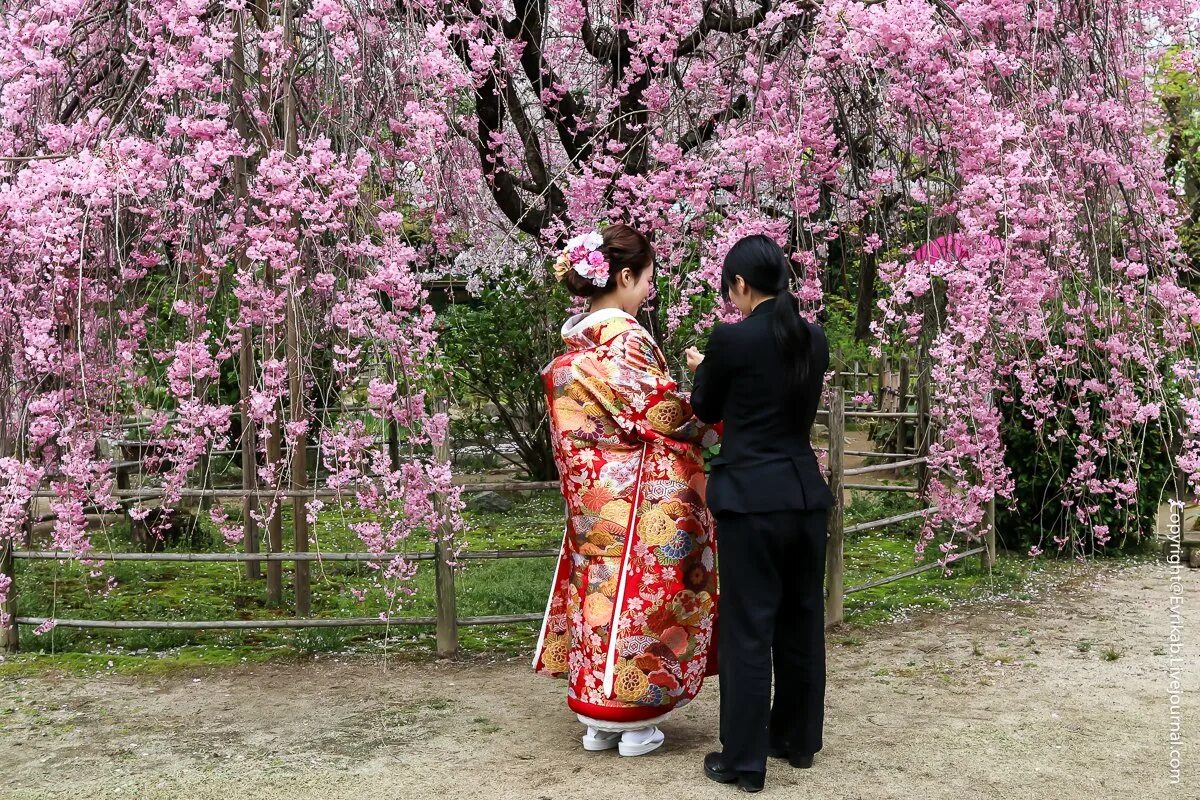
(447, 621)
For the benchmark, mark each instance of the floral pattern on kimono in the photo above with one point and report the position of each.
(630, 455)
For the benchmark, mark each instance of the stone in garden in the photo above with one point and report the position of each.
(489, 503)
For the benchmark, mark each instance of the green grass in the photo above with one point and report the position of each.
(137, 662)
(198, 590)
(182, 591)
(876, 554)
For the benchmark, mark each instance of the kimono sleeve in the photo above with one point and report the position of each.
(630, 381)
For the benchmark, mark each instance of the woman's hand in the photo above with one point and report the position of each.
(694, 357)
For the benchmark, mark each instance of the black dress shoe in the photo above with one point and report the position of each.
(751, 782)
(800, 761)
(716, 770)
(797, 760)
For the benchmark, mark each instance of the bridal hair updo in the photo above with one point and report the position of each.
(623, 248)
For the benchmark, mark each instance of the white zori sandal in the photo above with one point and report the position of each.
(630, 738)
(641, 741)
(596, 740)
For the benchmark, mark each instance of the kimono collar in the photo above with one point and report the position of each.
(598, 327)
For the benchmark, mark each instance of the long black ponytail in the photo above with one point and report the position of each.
(765, 267)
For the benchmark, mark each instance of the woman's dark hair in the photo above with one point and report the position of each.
(623, 248)
(765, 267)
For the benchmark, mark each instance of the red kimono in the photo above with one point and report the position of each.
(638, 546)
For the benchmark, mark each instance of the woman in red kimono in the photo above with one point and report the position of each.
(630, 617)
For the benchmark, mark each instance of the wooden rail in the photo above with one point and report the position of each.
(314, 493)
(308, 622)
(883, 523)
(914, 571)
(446, 621)
(912, 462)
(100, 555)
(835, 590)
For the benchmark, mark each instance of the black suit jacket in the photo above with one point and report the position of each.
(766, 462)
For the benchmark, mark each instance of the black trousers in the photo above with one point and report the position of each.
(772, 611)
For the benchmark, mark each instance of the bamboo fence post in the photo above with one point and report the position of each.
(882, 384)
(27, 525)
(393, 443)
(9, 641)
(299, 466)
(206, 481)
(988, 556)
(902, 405)
(286, 121)
(275, 523)
(923, 427)
(249, 443)
(447, 602)
(249, 455)
(121, 473)
(299, 447)
(834, 560)
(393, 429)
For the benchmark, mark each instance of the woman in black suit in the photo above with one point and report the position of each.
(763, 377)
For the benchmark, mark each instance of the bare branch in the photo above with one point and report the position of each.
(504, 186)
(704, 131)
(600, 44)
(720, 20)
(560, 107)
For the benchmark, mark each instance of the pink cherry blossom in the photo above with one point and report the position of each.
(157, 205)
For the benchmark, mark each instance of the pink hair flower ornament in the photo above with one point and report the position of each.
(583, 255)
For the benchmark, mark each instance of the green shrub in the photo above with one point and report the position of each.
(494, 348)
(1040, 472)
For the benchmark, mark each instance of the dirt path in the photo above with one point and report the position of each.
(1004, 700)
